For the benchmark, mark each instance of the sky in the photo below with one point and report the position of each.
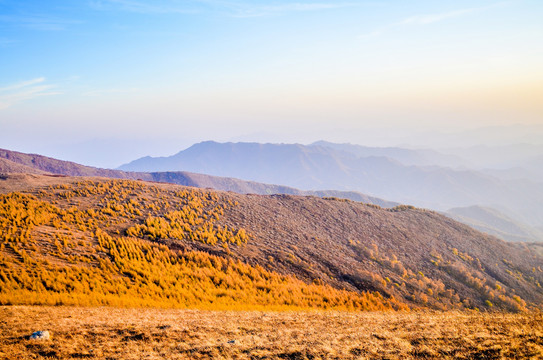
(105, 81)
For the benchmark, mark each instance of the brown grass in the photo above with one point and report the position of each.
(113, 333)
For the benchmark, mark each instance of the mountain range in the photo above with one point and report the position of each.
(17, 162)
(306, 162)
(351, 167)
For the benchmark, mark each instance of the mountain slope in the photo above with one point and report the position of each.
(215, 249)
(8, 166)
(253, 187)
(493, 222)
(226, 184)
(55, 166)
(319, 167)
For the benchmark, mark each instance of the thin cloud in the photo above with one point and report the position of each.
(249, 10)
(38, 22)
(5, 42)
(426, 19)
(433, 18)
(143, 7)
(102, 92)
(25, 90)
(231, 8)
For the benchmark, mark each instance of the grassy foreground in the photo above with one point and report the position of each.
(115, 333)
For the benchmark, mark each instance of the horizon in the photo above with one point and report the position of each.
(98, 152)
(78, 152)
(107, 81)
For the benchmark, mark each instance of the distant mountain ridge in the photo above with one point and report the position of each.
(495, 223)
(8, 166)
(418, 157)
(37, 164)
(55, 166)
(313, 167)
(17, 162)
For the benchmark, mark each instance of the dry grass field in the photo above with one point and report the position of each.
(116, 333)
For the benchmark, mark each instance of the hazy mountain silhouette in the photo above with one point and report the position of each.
(322, 167)
(16, 162)
(500, 157)
(419, 157)
(493, 222)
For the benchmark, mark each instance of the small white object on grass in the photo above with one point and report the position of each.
(40, 335)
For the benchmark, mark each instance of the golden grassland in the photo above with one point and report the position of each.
(116, 333)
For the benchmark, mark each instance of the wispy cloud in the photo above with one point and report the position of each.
(5, 42)
(231, 8)
(433, 18)
(426, 19)
(38, 22)
(102, 92)
(25, 90)
(250, 10)
(146, 7)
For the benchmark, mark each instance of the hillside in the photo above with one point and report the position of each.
(253, 187)
(59, 167)
(493, 222)
(16, 162)
(67, 240)
(8, 166)
(323, 167)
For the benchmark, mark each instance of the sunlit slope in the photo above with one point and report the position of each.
(99, 243)
(416, 255)
(130, 243)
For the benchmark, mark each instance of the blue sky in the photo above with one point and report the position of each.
(158, 75)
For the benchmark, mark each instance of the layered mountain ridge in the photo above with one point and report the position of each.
(12, 161)
(17, 162)
(336, 166)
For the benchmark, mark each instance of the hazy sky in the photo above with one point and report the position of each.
(158, 75)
